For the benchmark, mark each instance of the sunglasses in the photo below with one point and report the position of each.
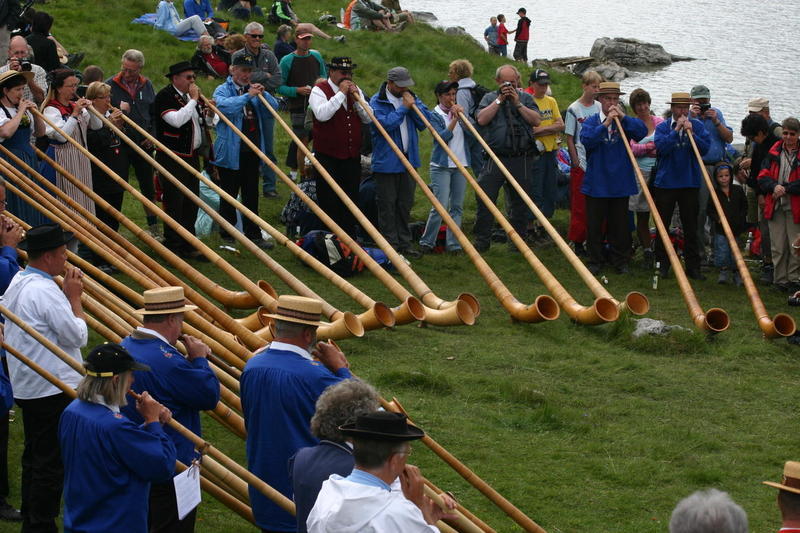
(255, 36)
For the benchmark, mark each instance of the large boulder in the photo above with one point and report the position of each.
(611, 71)
(424, 16)
(632, 53)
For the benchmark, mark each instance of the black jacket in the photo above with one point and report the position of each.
(141, 104)
(734, 207)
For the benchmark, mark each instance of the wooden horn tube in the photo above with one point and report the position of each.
(384, 277)
(782, 325)
(495, 497)
(341, 283)
(235, 483)
(226, 297)
(432, 301)
(715, 320)
(195, 297)
(462, 523)
(636, 302)
(463, 510)
(221, 495)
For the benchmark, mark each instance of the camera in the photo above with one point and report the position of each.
(794, 301)
(704, 108)
(506, 84)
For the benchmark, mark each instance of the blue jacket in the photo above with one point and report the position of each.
(280, 389)
(383, 157)
(609, 173)
(109, 463)
(166, 16)
(184, 387)
(716, 147)
(310, 467)
(202, 10)
(231, 104)
(677, 164)
(438, 155)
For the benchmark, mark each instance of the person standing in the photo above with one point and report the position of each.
(56, 313)
(19, 60)
(180, 127)
(609, 179)
(678, 178)
(280, 387)
(734, 209)
(394, 186)
(447, 182)
(238, 165)
(183, 384)
(300, 70)
(337, 125)
(134, 95)
(490, 36)
(581, 109)
(468, 96)
(44, 48)
(502, 36)
(522, 36)
(267, 72)
(506, 118)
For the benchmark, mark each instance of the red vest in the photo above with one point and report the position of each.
(339, 137)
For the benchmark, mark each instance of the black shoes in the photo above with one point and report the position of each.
(694, 273)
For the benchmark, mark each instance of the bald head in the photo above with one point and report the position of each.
(17, 48)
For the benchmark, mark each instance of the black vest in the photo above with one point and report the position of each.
(179, 140)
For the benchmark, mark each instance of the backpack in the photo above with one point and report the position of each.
(477, 92)
(332, 252)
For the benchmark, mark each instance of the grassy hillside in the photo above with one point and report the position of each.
(584, 428)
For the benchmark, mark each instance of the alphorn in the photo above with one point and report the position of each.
(782, 325)
(431, 301)
(635, 302)
(146, 278)
(716, 319)
(201, 444)
(348, 325)
(377, 314)
(495, 497)
(603, 310)
(224, 497)
(411, 308)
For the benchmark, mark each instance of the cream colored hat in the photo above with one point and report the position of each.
(298, 309)
(791, 478)
(10, 73)
(609, 87)
(164, 300)
(680, 99)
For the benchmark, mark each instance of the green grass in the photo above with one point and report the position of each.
(583, 428)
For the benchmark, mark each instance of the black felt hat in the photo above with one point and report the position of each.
(177, 68)
(341, 63)
(382, 425)
(45, 237)
(110, 359)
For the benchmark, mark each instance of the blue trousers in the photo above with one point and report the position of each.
(448, 185)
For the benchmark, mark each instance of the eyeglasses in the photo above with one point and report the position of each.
(406, 453)
(255, 36)
(190, 77)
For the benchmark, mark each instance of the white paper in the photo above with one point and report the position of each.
(187, 490)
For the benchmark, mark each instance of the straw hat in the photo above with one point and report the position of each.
(680, 99)
(5, 76)
(164, 301)
(791, 478)
(609, 87)
(298, 309)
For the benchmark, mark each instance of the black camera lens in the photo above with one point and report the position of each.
(794, 301)
(25, 66)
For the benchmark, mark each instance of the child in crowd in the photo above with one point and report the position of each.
(734, 207)
(502, 36)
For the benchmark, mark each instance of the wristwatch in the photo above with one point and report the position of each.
(498, 101)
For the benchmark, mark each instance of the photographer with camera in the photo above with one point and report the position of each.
(719, 134)
(19, 60)
(505, 117)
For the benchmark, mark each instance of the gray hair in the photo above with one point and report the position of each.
(253, 26)
(133, 55)
(708, 511)
(204, 39)
(290, 330)
(340, 404)
(113, 394)
(500, 70)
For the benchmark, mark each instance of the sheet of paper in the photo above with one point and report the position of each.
(187, 490)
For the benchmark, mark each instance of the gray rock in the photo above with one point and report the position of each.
(424, 16)
(455, 30)
(649, 326)
(611, 71)
(632, 53)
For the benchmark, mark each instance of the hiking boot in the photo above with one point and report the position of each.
(724, 277)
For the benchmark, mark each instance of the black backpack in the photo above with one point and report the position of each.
(478, 92)
(332, 252)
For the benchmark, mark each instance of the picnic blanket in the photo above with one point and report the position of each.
(150, 20)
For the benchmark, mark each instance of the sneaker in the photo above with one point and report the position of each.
(270, 194)
(9, 513)
(724, 277)
(767, 272)
(425, 249)
(264, 244)
(456, 251)
(580, 249)
(412, 253)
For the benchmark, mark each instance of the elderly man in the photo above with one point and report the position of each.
(506, 118)
(364, 501)
(789, 497)
(134, 94)
(238, 165)
(609, 179)
(180, 126)
(394, 187)
(58, 315)
(19, 59)
(337, 138)
(678, 179)
(310, 467)
(300, 70)
(708, 510)
(267, 72)
(279, 389)
(183, 384)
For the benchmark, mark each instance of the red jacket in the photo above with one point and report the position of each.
(768, 180)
